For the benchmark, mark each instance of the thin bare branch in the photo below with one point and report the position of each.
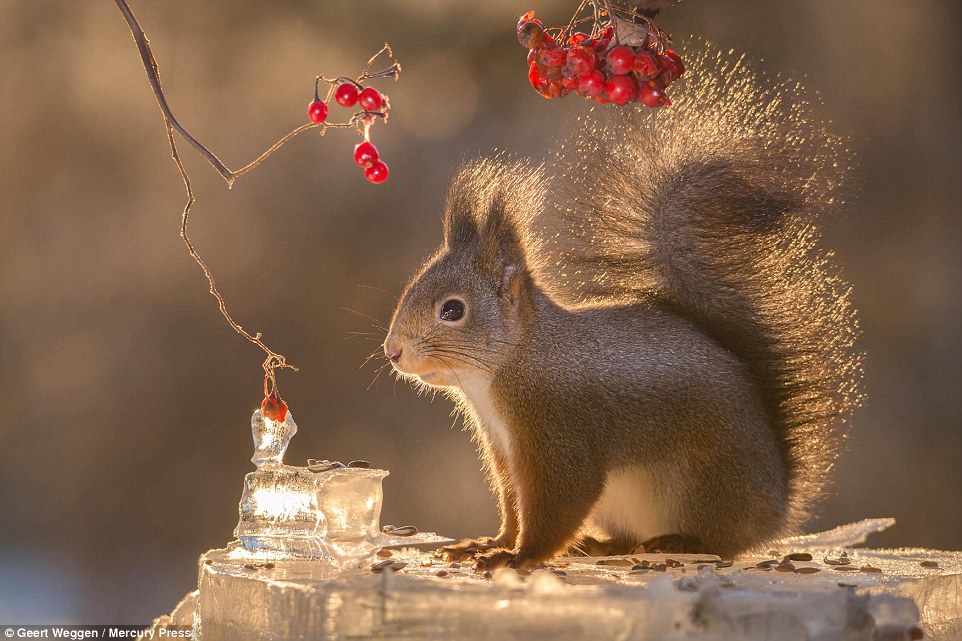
(361, 121)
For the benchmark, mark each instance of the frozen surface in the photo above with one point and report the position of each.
(428, 599)
(842, 536)
(842, 594)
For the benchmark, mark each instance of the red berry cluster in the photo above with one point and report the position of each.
(598, 66)
(348, 93)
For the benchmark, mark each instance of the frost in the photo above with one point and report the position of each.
(840, 537)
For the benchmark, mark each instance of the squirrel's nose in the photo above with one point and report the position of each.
(392, 352)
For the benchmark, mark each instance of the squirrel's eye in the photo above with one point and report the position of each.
(452, 310)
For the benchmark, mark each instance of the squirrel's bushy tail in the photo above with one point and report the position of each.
(709, 206)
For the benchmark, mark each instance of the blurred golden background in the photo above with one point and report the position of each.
(126, 399)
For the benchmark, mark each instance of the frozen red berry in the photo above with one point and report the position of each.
(645, 65)
(547, 82)
(577, 38)
(370, 99)
(591, 84)
(620, 90)
(365, 154)
(273, 407)
(345, 94)
(530, 34)
(580, 60)
(679, 66)
(652, 94)
(536, 77)
(553, 73)
(376, 173)
(317, 111)
(620, 60)
(552, 57)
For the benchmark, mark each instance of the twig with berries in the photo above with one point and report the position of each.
(374, 105)
(623, 57)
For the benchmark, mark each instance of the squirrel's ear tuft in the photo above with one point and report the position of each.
(460, 225)
(501, 252)
(490, 205)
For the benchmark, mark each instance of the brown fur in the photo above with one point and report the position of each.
(681, 322)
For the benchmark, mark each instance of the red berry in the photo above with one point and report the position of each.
(317, 111)
(620, 60)
(678, 64)
(591, 84)
(620, 90)
(580, 60)
(552, 73)
(536, 77)
(556, 89)
(547, 82)
(552, 57)
(346, 94)
(376, 173)
(273, 407)
(601, 44)
(370, 99)
(667, 71)
(570, 82)
(652, 94)
(577, 38)
(601, 100)
(645, 65)
(365, 154)
(530, 34)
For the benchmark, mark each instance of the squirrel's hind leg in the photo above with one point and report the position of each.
(673, 544)
(591, 546)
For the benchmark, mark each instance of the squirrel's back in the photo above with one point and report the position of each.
(708, 207)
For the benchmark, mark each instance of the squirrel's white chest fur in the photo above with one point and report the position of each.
(629, 504)
(481, 403)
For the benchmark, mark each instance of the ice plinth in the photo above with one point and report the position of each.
(877, 595)
(326, 512)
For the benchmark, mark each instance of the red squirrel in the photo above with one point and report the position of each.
(650, 345)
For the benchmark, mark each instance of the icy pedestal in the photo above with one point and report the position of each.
(329, 515)
(879, 595)
(319, 512)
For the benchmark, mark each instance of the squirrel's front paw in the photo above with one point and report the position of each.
(469, 548)
(503, 559)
